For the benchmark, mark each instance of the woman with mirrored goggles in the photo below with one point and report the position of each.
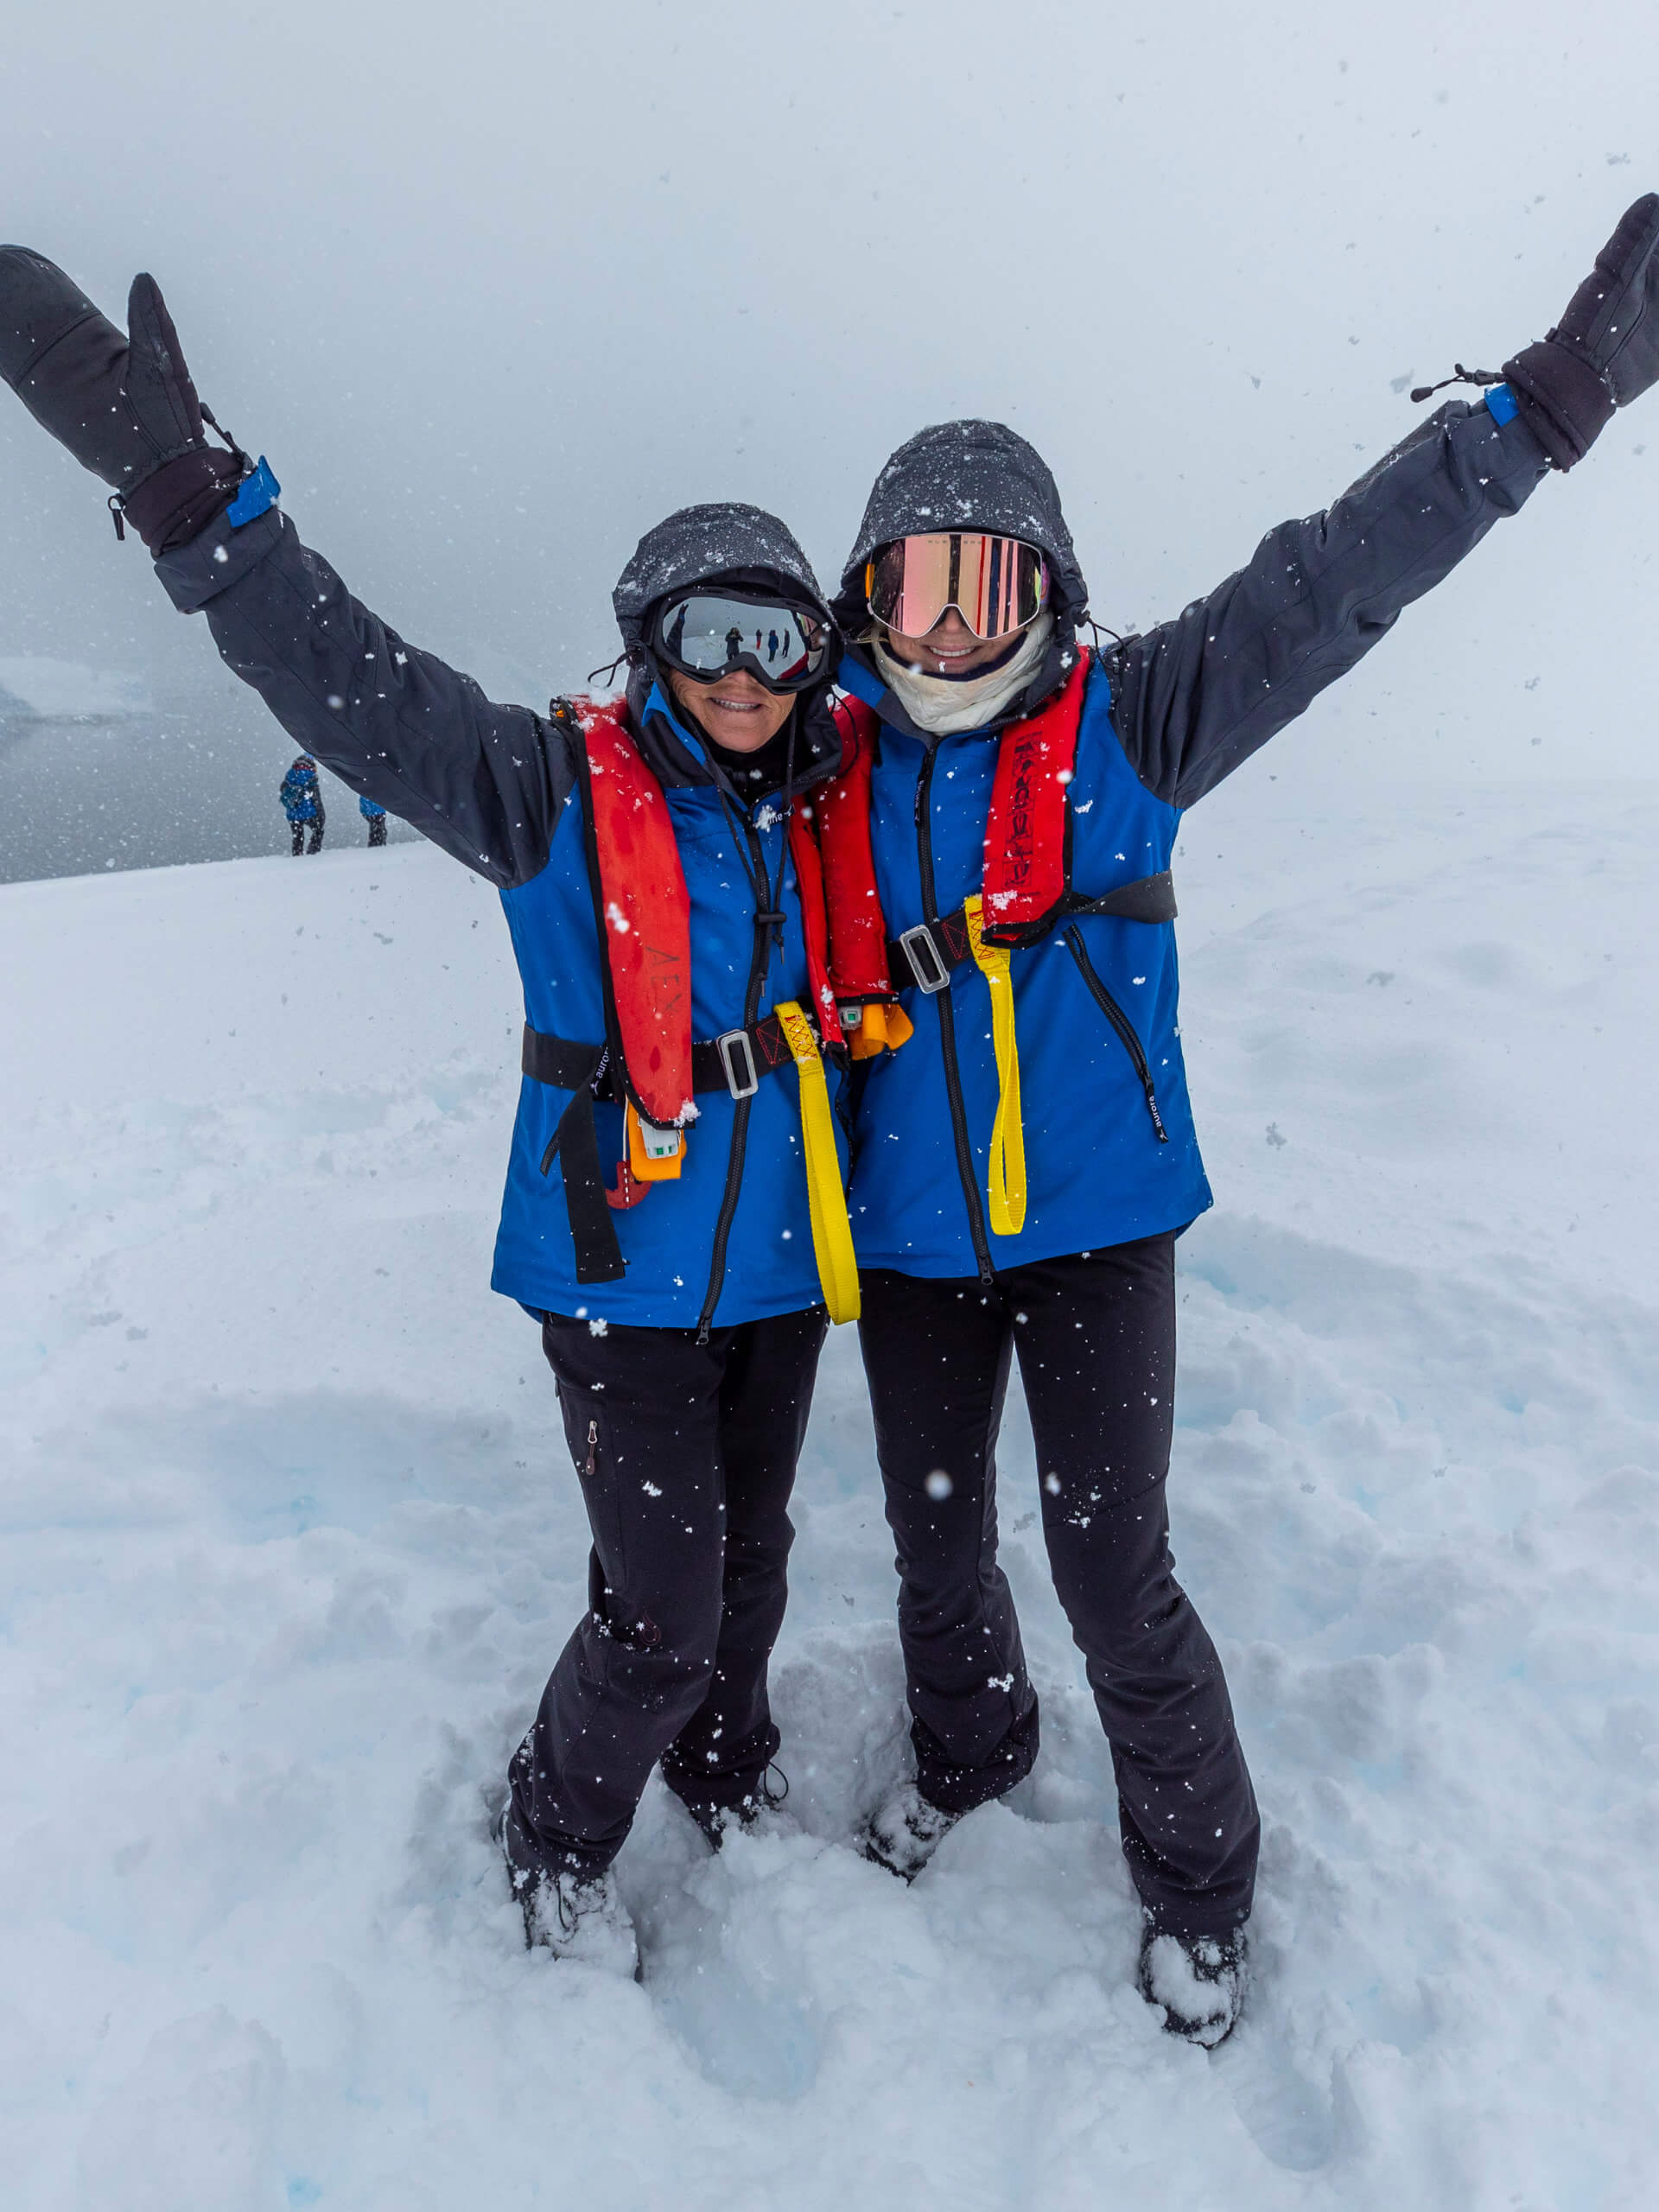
(675, 1160)
(704, 634)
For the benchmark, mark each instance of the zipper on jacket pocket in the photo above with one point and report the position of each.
(592, 1468)
(1121, 1022)
(948, 1032)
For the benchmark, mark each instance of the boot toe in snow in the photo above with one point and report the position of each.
(1198, 1980)
(580, 1918)
(906, 1830)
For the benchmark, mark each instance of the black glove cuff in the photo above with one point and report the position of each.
(1563, 398)
(178, 501)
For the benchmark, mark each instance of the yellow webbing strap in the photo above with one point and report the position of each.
(832, 1233)
(1007, 1176)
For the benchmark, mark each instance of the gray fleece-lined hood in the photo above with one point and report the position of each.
(723, 542)
(967, 475)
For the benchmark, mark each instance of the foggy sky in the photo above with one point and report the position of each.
(496, 288)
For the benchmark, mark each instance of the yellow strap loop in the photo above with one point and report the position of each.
(1007, 1175)
(832, 1233)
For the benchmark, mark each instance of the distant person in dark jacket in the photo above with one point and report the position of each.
(375, 818)
(302, 797)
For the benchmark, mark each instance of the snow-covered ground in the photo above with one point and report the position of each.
(290, 1538)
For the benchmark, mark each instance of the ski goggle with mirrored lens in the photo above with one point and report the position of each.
(995, 584)
(706, 634)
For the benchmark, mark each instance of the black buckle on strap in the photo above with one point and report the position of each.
(927, 963)
(735, 1043)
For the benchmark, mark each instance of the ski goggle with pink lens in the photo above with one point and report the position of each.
(996, 584)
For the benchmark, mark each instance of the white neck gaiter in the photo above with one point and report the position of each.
(943, 706)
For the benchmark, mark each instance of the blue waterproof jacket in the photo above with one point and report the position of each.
(299, 795)
(1097, 1173)
(1165, 717)
(731, 1240)
(681, 1267)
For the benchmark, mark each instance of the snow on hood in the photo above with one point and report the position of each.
(966, 475)
(695, 545)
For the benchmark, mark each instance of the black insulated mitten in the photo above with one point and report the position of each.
(1605, 351)
(125, 407)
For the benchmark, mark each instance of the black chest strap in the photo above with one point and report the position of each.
(735, 1063)
(927, 953)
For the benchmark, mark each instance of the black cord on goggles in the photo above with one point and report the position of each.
(706, 634)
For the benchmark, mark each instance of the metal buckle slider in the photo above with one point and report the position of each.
(729, 1046)
(925, 964)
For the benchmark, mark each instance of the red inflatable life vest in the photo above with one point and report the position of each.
(1025, 844)
(1026, 891)
(648, 1058)
(643, 913)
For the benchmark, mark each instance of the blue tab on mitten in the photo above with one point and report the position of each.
(258, 491)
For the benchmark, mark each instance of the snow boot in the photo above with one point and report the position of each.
(761, 1813)
(906, 1830)
(577, 1916)
(1198, 1981)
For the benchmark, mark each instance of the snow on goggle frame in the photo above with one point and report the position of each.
(706, 634)
(996, 584)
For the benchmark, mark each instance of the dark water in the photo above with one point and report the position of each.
(150, 790)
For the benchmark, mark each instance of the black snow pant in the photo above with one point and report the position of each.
(1096, 1336)
(377, 830)
(686, 1454)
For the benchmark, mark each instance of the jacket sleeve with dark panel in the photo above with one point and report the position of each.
(1195, 697)
(486, 783)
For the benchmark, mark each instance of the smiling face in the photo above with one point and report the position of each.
(950, 647)
(737, 711)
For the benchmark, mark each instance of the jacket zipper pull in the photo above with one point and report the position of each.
(593, 1449)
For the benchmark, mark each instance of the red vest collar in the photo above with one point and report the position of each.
(1026, 841)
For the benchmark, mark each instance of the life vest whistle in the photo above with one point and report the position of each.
(655, 1155)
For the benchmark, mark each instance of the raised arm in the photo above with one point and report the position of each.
(486, 782)
(1196, 696)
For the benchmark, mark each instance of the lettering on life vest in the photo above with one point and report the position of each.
(857, 929)
(646, 937)
(1025, 831)
(809, 880)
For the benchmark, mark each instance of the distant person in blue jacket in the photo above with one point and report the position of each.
(302, 797)
(375, 818)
